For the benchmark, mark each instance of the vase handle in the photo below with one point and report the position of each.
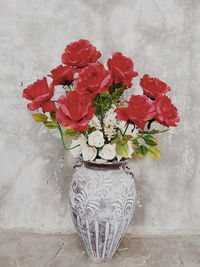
(78, 164)
(127, 169)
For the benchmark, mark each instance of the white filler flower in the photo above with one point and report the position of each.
(110, 123)
(89, 153)
(95, 123)
(108, 152)
(96, 139)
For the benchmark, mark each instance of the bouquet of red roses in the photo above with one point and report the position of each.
(92, 111)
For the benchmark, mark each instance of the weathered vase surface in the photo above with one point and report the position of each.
(102, 200)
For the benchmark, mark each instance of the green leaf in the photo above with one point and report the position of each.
(134, 154)
(154, 131)
(135, 142)
(39, 117)
(53, 116)
(142, 149)
(150, 140)
(115, 140)
(154, 152)
(127, 137)
(51, 124)
(122, 150)
(70, 132)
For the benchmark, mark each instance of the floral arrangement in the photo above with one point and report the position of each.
(91, 109)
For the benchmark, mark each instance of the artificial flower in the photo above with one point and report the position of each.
(75, 111)
(166, 112)
(140, 109)
(153, 87)
(40, 94)
(96, 139)
(80, 54)
(82, 142)
(93, 79)
(89, 153)
(62, 75)
(95, 123)
(122, 69)
(108, 152)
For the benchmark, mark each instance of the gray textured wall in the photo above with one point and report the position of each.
(162, 37)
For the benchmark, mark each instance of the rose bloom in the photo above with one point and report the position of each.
(96, 139)
(82, 142)
(140, 109)
(80, 54)
(62, 75)
(75, 111)
(122, 69)
(89, 153)
(166, 112)
(153, 87)
(40, 94)
(93, 79)
(108, 152)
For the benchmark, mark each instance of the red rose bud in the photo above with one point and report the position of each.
(40, 94)
(93, 79)
(166, 112)
(153, 87)
(80, 54)
(140, 109)
(62, 75)
(121, 68)
(75, 111)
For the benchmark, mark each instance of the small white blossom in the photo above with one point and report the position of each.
(108, 152)
(96, 139)
(89, 153)
(122, 126)
(95, 123)
(110, 122)
(81, 141)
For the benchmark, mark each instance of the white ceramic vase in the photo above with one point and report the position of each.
(102, 200)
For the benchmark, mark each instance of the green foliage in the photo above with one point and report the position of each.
(116, 140)
(122, 150)
(154, 131)
(70, 132)
(39, 117)
(154, 152)
(150, 140)
(51, 124)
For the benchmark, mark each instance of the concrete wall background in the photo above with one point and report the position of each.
(162, 37)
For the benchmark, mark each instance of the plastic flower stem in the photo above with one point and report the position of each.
(62, 139)
(126, 129)
(101, 112)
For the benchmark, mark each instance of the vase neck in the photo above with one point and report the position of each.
(104, 166)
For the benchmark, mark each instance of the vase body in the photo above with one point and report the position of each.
(102, 200)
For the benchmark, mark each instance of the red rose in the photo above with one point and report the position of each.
(80, 54)
(153, 87)
(75, 111)
(93, 79)
(40, 94)
(166, 112)
(122, 69)
(140, 109)
(62, 75)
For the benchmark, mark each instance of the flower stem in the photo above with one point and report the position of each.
(126, 128)
(62, 139)
(101, 113)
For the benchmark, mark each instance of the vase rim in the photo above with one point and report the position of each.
(104, 165)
